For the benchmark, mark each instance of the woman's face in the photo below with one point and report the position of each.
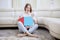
(28, 8)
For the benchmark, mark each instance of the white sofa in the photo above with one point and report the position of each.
(47, 19)
(52, 24)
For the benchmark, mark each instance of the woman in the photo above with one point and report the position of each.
(28, 12)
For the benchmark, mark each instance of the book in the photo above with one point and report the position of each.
(28, 21)
(21, 20)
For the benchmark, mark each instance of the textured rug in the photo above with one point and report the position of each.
(16, 38)
(9, 34)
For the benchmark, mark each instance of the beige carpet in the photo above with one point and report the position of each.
(9, 34)
(17, 38)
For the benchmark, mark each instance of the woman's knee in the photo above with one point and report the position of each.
(19, 22)
(36, 25)
(19, 25)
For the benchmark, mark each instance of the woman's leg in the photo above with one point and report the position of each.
(34, 27)
(21, 27)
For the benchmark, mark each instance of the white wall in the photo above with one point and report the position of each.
(48, 4)
(55, 4)
(36, 4)
(43, 4)
(44, 8)
(19, 4)
(5, 3)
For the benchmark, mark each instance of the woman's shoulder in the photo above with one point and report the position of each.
(33, 14)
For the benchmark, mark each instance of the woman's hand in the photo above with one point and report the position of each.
(27, 27)
(35, 20)
(19, 17)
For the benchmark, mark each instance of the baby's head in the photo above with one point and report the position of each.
(28, 8)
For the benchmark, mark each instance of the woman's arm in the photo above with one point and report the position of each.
(20, 16)
(35, 19)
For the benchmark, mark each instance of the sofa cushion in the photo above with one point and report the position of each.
(6, 20)
(55, 14)
(40, 20)
(54, 25)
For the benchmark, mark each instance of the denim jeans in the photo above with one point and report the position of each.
(23, 29)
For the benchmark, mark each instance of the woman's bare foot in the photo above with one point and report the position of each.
(21, 35)
(31, 35)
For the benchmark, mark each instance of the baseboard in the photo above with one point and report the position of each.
(2, 28)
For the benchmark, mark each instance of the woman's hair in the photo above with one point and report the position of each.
(26, 7)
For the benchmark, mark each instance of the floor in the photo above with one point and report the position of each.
(10, 34)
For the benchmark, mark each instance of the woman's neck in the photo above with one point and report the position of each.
(27, 12)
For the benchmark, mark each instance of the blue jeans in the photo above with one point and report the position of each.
(23, 29)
